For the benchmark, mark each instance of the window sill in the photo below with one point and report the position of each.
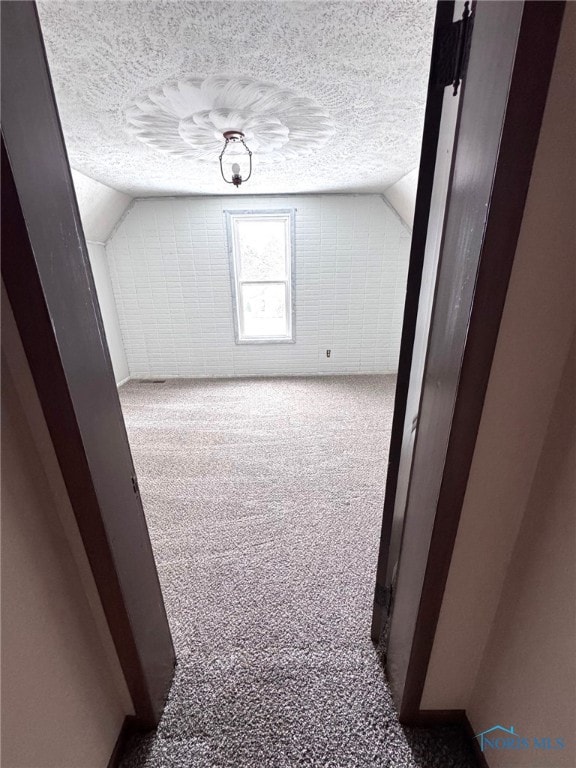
(271, 340)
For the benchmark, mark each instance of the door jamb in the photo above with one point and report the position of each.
(433, 114)
(49, 283)
(532, 68)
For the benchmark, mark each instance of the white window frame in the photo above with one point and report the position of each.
(288, 215)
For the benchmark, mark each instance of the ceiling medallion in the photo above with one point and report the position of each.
(194, 117)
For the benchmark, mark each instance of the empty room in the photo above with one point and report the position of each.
(251, 267)
(275, 303)
(254, 329)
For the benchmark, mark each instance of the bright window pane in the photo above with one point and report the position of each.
(262, 261)
(264, 310)
(262, 246)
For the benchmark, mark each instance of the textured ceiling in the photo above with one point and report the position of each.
(365, 64)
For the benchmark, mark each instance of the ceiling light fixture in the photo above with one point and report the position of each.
(235, 137)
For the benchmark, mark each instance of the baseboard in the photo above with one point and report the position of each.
(124, 381)
(429, 718)
(229, 376)
(129, 725)
(479, 755)
(434, 718)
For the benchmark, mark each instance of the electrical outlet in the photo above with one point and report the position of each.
(328, 352)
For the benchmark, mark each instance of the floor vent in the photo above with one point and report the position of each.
(152, 381)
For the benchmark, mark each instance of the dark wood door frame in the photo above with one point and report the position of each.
(501, 113)
(433, 114)
(48, 279)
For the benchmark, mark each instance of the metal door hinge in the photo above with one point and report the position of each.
(451, 51)
(135, 486)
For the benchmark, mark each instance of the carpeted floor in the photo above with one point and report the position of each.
(264, 499)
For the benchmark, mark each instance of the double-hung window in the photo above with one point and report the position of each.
(261, 247)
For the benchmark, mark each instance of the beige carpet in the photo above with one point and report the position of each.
(264, 500)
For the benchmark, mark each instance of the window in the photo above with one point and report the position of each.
(262, 267)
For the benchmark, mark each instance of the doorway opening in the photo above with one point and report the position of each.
(274, 683)
(261, 465)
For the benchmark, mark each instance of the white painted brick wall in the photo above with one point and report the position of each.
(170, 272)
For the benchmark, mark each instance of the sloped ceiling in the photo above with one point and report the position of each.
(402, 197)
(362, 64)
(100, 206)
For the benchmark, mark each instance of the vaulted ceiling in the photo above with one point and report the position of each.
(331, 94)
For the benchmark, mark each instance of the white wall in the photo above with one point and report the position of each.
(101, 208)
(101, 273)
(170, 272)
(64, 697)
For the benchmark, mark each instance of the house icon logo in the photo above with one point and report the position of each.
(487, 738)
(499, 737)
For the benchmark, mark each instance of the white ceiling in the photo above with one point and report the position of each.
(364, 64)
